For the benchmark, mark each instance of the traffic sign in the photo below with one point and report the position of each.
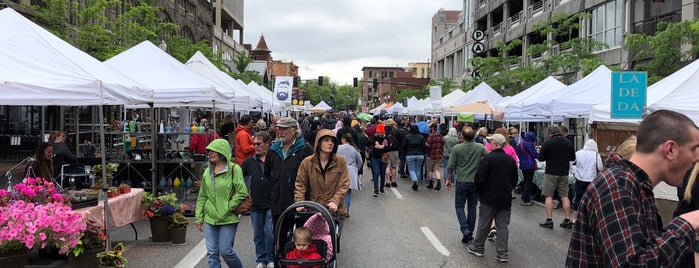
(478, 35)
(477, 48)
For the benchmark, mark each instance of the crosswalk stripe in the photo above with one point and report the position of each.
(434, 240)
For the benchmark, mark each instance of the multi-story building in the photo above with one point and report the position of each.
(267, 66)
(227, 33)
(507, 20)
(387, 78)
(419, 69)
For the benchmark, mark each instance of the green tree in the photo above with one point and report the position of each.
(241, 62)
(346, 96)
(316, 93)
(664, 52)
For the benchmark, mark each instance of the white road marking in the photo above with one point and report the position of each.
(434, 240)
(395, 192)
(194, 256)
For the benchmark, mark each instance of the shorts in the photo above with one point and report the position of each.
(554, 182)
(434, 165)
(393, 159)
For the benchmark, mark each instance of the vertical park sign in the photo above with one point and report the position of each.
(628, 94)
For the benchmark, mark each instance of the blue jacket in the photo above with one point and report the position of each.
(526, 151)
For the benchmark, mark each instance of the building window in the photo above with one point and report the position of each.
(605, 25)
(370, 73)
(390, 74)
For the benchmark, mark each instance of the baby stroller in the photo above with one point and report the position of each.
(283, 235)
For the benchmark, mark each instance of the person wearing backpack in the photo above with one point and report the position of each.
(527, 154)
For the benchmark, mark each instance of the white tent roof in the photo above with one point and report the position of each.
(174, 84)
(266, 95)
(396, 108)
(200, 65)
(38, 68)
(675, 92)
(513, 105)
(482, 92)
(322, 105)
(575, 100)
(449, 99)
(378, 109)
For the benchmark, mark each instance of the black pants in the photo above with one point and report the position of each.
(527, 181)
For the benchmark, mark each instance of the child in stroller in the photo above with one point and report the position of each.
(323, 231)
(303, 248)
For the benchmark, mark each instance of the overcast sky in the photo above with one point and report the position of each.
(336, 38)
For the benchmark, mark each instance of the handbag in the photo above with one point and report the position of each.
(244, 206)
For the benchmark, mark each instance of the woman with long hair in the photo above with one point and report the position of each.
(42, 164)
(348, 149)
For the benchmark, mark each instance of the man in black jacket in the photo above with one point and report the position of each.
(495, 178)
(260, 190)
(557, 151)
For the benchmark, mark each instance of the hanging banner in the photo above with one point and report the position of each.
(436, 97)
(282, 89)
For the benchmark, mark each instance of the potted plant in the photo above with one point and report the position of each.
(112, 258)
(158, 209)
(112, 192)
(178, 228)
(111, 169)
(34, 214)
(124, 188)
(84, 254)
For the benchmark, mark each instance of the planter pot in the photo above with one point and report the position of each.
(124, 190)
(159, 229)
(87, 259)
(17, 260)
(179, 236)
(112, 194)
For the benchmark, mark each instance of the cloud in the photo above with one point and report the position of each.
(338, 38)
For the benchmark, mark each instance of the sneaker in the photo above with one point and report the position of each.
(382, 190)
(394, 184)
(270, 265)
(438, 186)
(387, 185)
(466, 237)
(502, 258)
(261, 265)
(376, 193)
(430, 186)
(492, 235)
(547, 224)
(414, 186)
(471, 249)
(567, 224)
(525, 204)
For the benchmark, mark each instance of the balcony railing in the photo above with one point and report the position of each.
(535, 8)
(481, 3)
(515, 19)
(497, 28)
(649, 26)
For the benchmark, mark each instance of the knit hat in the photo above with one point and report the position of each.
(380, 129)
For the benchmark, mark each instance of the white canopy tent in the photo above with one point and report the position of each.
(574, 100)
(449, 99)
(200, 65)
(675, 92)
(265, 93)
(378, 109)
(482, 92)
(321, 107)
(396, 108)
(173, 83)
(38, 68)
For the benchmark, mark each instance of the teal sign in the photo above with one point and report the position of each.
(628, 94)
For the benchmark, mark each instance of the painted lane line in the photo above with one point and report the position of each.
(434, 240)
(396, 193)
(194, 256)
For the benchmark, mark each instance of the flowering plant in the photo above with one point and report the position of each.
(112, 257)
(92, 237)
(35, 212)
(33, 190)
(178, 221)
(25, 225)
(163, 205)
(111, 168)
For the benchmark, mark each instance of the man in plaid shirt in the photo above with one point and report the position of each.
(618, 223)
(435, 149)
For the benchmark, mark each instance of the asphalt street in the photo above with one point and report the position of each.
(401, 228)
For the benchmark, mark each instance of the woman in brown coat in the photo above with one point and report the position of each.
(323, 176)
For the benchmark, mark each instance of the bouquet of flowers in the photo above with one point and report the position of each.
(92, 237)
(163, 205)
(35, 213)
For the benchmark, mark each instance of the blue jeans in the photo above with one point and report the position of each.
(402, 170)
(219, 241)
(466, 192)
(348, 199)
(378, 169)
(415, 166)
(263, 235)
(445, 163)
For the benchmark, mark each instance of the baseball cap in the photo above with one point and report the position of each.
(287, 122)
(498, 138)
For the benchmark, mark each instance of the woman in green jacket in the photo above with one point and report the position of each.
(222, 190)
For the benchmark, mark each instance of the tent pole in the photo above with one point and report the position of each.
(153, 142)
(214, 113)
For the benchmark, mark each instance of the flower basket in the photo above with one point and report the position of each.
(178, 228)
(112, 258)
(179, 236)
